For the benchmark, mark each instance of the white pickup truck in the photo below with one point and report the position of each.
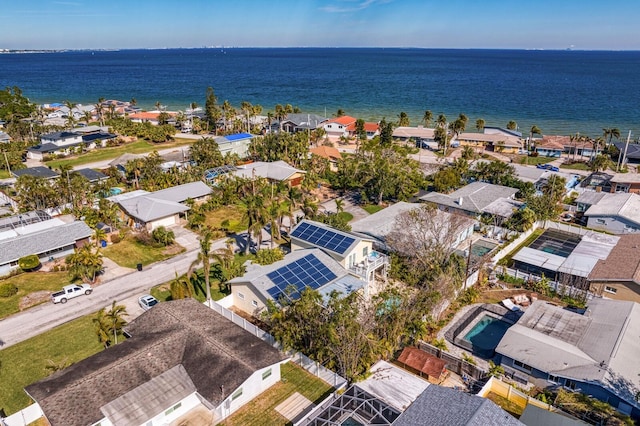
(69, 292)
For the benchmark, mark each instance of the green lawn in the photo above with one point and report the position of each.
(25, 362)
(346, 216)
(575, 166)
(28, 283)
(4, 174)
(372, 208)
(129, 252)
(261, 411)
(524, 159)
(101, 154)
(231, 213)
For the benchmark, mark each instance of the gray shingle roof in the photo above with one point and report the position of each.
(275, 170)
(440, 406)
(181, 193)
(91, 175)
(42, 241)
(215, 353)
(39, 171)
(147, 208)
(475, 197)
(624, 205)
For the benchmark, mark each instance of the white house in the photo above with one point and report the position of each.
(338, 126)
(182, 358)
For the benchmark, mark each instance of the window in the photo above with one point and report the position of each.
(240, 295)
(254, 303)
(612, 290)
(237, 394)
(172, 409)
(570, 384)
(266, 374)
(522, 366)
(365, 251)
(555, 379)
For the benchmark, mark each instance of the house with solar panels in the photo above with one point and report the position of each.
(286, 279)
(354, 253)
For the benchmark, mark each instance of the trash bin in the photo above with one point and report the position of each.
(103, 243)
(139, 266)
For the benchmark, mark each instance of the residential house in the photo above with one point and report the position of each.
(4, 138)
(493, 130)
(444, 406)
(562, 255)
(274, 171)
(151, 210)
(593, 352)
(476, 199)
(498, 142)
(618, 275)
(120, 162)
(182, 359)
(625, 182)
(55, 143)
(339, 127)
(329, 153)
(36, 233)
(550, 146)
(423, 364)
(295, 122)
(379, 225)
(152, 117)
(95, 136)
(422, 136)
(371, 129)
(391, 396)
(287, 278)
(614, 213)
(93, 176)
(354, 253)
(237, 144)
(38, 171)
(633, 152)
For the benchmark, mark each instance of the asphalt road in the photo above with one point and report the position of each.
(41, 318)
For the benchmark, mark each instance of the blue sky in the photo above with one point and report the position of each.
(527, 24)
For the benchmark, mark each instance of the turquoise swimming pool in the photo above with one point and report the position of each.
(485, 335)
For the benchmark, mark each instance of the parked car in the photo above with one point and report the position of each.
(554, 169)
(70, 291)
(544, 166)
(147, 302)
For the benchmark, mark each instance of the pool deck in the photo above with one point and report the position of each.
(453, 349)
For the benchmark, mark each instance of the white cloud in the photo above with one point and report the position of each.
(346, 6)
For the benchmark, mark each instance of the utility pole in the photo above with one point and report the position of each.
(7, 161)
(626, 146)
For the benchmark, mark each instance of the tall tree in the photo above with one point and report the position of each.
(115, 317)
(427, 118)
(480, 124)
(84, 263)
(212, 110)
(609, 133)
(535, 130)
(403, 119)
(205, 258)
(512, 125)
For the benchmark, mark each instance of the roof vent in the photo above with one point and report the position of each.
(460, 201)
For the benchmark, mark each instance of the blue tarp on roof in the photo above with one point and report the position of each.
(238, 136)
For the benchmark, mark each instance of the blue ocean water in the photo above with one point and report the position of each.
(561, 92)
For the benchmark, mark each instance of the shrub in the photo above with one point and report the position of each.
(468, 358)
(115, 238)
(29, 263)
(8, 289)
(268, 256)
(162, 236)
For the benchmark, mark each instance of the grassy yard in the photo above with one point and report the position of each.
(261, 411)
(231, 213)
(4, 174)
(575, 166)
(129, 252)
(30, 282)
(346, 216)
(101, 154)
(25, 362)
(534, 161)
(514, 409)
(372, 208)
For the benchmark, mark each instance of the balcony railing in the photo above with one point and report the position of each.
(374, 261)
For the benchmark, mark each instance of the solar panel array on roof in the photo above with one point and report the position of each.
(323, 237)
(291, 279)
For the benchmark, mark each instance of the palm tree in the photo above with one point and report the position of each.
(181, 288)
(340, 113)
(204, 257)
(535, 130)
(102, 327)
(87, 117)
(339, 205)
(512, 125)
(427, 117)
(100, 111)
(597, 143)
(84, 263)
(403, 119)
(115, 318)
(255, 215)
(99, 235)
(247, 109)
(480, 124)
(294, 197)
(281, 113)
(610, 133)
